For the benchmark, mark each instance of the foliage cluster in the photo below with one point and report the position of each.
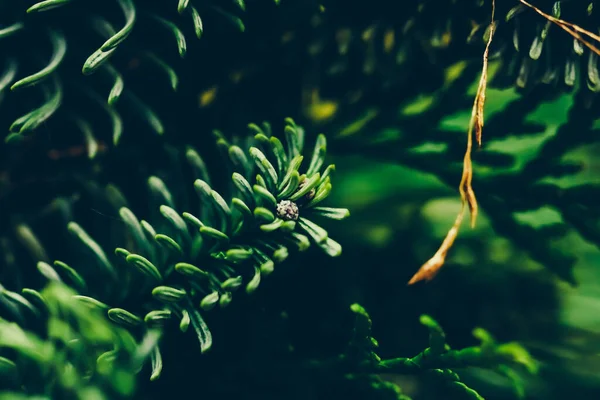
(122, 253)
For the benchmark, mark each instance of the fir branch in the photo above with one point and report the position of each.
(182, 265)
(438, 361)
(58, 69)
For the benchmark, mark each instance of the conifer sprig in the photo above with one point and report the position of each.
(438, 361)
(49, 24)
(176, 268)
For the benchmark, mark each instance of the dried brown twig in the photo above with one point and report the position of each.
(433, 265)
(467, 194)
(569, 27)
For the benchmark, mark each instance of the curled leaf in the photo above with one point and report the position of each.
(156, 361)
(47, 5)
(209, 301)
(181, 43)
(59, 45)
(123, 317)
(157, 318)
(92, 303)
(191, 271)
(254, 282)
(232, 283)
(144, 266)
(185, 321)
(128, 9)
(203, 333)
(168, 294)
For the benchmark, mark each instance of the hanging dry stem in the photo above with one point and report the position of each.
(433, 265)
(467, 194)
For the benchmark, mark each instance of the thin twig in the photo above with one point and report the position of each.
(467, 194)
(569, 27)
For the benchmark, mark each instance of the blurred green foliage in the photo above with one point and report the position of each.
(513, 311)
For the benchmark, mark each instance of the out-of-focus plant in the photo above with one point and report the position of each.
(62, 349)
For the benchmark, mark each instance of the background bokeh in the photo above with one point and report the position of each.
(393, 91)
